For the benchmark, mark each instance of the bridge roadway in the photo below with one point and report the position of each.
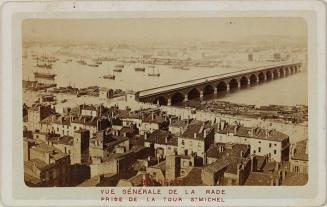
(216, 84)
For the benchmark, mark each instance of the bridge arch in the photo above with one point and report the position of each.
(253, 79)
(261, 77)
(193, 93)
(161, 100)
(222, 87)
(208, 91)
(177, 98)
(269, 75)
(233, 84)
(244, 81)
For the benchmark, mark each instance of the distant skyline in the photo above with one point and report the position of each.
(152, 30)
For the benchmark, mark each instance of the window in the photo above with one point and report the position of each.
(269, 144)
(259, 149)
(253, 151)
(275, 152)
(74, 127)
(259, 142)
(57, 129)
(275, 144)
(183, 143)
(296, 169)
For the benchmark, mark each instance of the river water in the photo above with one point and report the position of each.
(290, 90)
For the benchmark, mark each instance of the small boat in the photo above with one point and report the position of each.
(93, 65)
(118, 68)
(44, 75)
(185, 68)
(63, 101)
(139, 69)
(112, 77)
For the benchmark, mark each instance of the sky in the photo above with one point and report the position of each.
(160, 29)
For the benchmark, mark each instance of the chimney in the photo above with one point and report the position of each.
(145, 135)
(194, 135)
(166, 139)
(204, 133)
(241, 153)
(235, 129)
(152, 116)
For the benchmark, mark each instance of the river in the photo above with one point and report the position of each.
(290, 90)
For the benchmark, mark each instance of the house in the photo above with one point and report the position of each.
(46, 166)
(196, 140)
(36, 113)
(263, 142)
(238, 158)
(163, 142)
(152, 122)
(213, 174)
(178, 127)
(299, 157)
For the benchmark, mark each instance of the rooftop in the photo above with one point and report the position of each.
(197, 130)
(162, 137)
(257, 133)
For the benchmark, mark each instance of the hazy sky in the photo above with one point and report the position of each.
(163, 29)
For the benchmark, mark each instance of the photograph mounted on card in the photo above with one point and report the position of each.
(166, 104)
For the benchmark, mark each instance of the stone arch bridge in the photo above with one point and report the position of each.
(213, 86)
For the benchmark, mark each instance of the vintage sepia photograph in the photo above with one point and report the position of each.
(131, 102)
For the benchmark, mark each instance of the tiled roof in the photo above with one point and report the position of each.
(216, 166)
(193, 178)
(258, 133)
(259, 179)
(159, 137)
(198, 129)
(235, 150)
(66, 140)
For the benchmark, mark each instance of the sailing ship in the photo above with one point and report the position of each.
(81, 61)
(98, 61)
(153, 73)
(44, 63)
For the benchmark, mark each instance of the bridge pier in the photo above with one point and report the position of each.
(264, 77)
(272, 76)
(185, 98)
(278, 74)
(215, 92)
(238, 84)
(249, 82)
(169, 101)
(201, 95)
(227, 88)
